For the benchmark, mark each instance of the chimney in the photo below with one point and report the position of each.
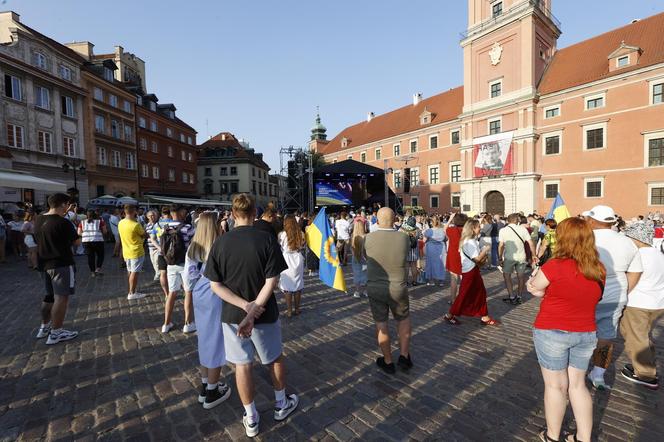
(84, 48)
(10, 15)
(370, 116)
(417, 99)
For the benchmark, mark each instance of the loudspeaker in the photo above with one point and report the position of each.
(406, 180)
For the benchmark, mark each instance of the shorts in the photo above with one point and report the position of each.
(265, 340)
(116, 235)
(510, 266)
(399, 305)
(557, 349)
(161, 263)
(59, 281)
(135, 265)
(29, 241)
(607, 316)
(177, 278)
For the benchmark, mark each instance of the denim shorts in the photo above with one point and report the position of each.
(557, 349)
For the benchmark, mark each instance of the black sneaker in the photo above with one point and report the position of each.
(628, 373)
(405, 363)
(508, 300)
(216, 396)
(202, 394)
(387, 368)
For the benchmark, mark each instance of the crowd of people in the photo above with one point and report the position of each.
(596, 277)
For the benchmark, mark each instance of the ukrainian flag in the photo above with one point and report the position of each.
(558, 211)
(321, 242)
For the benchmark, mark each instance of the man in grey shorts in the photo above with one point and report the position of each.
(55, 237)
(243, 267)
(512, 242)
(386, 251)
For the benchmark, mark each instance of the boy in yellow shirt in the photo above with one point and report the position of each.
(132, 237)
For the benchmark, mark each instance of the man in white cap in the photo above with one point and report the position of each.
(623, 269)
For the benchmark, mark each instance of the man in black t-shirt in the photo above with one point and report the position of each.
(266, 222)
(243, 267)
(55, 236)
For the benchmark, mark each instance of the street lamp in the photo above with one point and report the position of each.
(75, 166)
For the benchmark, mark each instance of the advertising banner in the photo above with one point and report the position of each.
(492, 155)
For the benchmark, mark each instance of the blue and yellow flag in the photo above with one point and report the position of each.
(558, 211)
(321, 242)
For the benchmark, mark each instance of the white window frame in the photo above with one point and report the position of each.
(65, 73)
(451, 164)
(190, 140)
(491, 120)
(651, 186)
(494, 3)
(622, 57)
(145, 171)
(182, 138)
(378, 153)
(603, 126)
(431, 197)
(153, 126)
(102, 160)
(548, 108)
(17, 87)
(48, 147)
(415, 182)
(16, 130)
(67, 144)
(646, 147)
(154, 147)
(190, 157)
(452, 131)
(171, 174)
(545, 183)
(130, 160)
(116, 159)
(557, 133)
(143, 143)
(363, 156)
(396, 146)
(585, 187)
(429, 169)
(494, 82)
(651, 88)
(155, 172)
(169, 132)
(40, 93)
(589, 98)
(69, 104)
(437, 141)
(394, 179)
(40, 61)
(410, 145)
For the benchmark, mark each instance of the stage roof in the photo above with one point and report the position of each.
(350, 167)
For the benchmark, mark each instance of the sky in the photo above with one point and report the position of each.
(260, 68)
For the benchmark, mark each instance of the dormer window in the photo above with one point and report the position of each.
(171, 115)
(344, 142)
(623, 61)
(108, 74)
(426, 117)
(624, 56)
(153, 106)
(497, 9)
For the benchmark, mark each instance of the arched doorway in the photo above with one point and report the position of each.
(494, 203)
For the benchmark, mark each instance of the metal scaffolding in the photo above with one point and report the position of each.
(296, 166)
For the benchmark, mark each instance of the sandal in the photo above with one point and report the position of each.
(491, 321)
(452, 320)
(544, 436)
(569, 437)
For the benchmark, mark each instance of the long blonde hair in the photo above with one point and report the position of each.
(206, 233)
(468, 231)
(357, 238)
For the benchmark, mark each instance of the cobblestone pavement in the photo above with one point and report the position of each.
(121, 379)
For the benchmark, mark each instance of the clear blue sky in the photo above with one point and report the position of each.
(259, 68)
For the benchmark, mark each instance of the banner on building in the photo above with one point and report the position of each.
(492, 155)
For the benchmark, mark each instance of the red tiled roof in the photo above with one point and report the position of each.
(444, 107)
(587, 61)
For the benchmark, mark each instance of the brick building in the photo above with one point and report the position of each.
(529, 121)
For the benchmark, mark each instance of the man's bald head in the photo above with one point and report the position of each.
(385, 218)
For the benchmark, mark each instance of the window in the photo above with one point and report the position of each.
(126, 106)
(13, 87)
(658, 93)
(414, 177)
(377, 153)
(414, 201)
(433, 174)
(551, 145)
(594, 187)
(363, 157)
(433, 142)
(433, 201)
(113, 100)
(397, 150)
(456, 200)
(101, 156)
(253, 187)
(170, 151)
(171, 174)
(208, 187)
(656, 194)
(496, 88)
(139, 100)
(495, 126)
(233, 170)
(183, 155)
(397, 179)
(182, 139)
(108, 74)
(190, 140)
(169, 132)
(115, 129)
(223, 171)
(155, 172)
(208, 171)
(455, 137)
(44, 142)
(185, 177)
(223, 187)
(552, 112)
(98, 94)
(40, 60)
(143, 143)
(155, 147)
(595, 101)
(413, 146)
(145, 171)
(349, 157)
(65, 73)
(153, 126)
(496, 9)
(153, 106)
(14, 136)
(42, 98)
(190, 157)
(550, 189)
(656, 152)
(128, 133)
(67, 106)
(141, 122)
(130, 161)
(234, 187)
(594, 136)
(622, 61)
(68, 147)
(455, 172)
(253, 171)
(116, 159)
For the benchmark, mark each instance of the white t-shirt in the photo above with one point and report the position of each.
(343, 229)
(649, 292)
(373, 227)
(619, 255)
(471, 247)
(513, 241)
(114, 220)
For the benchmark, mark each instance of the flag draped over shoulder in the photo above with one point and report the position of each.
(558, 211)
(321, 242)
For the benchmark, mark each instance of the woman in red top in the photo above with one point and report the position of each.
(571, 284)
(453, 260)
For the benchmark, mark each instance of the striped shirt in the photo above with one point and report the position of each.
(187, 231)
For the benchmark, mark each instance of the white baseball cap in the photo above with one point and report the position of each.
(603, 214)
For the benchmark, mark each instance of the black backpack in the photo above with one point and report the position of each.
(173, 246)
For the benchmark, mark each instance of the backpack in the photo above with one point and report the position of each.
(173, 246)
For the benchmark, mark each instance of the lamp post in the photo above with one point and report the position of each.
(75, 166)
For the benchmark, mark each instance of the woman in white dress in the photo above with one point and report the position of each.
(207, 313)
(291, 240)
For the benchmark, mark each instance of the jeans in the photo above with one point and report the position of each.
(494, 251)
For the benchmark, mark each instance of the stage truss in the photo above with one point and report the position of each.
(296, 166)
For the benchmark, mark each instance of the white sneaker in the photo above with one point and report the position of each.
(167, 327)
(132, 296)
(44, 330)
(250, 428)
(291, 404)
(189, 328)
(62, 335)
(356, 295)
(365, 294)
(598, 382)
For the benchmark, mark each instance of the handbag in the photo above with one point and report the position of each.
(526, 248)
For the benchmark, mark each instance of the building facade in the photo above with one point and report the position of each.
(42, 112)
(530, 120)
(110, 133)
(227, 166)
